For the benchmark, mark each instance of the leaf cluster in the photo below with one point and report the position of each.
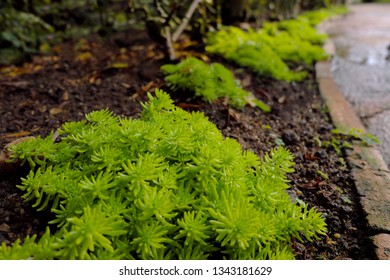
(315, 17)
(298, 29)
(269, 49)
(207, 81)
(246, 48)
(165, 186)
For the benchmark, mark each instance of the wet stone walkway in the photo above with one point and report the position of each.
(361, 66)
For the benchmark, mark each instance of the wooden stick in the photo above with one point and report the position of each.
(186, 20)
(171, 50)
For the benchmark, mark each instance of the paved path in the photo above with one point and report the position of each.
(361, 66)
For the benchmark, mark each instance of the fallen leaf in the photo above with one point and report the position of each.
(26, 103)
(188, 106)
(330, 241)
(95, 80)
(148, 86)
(98, 81)
(134, 96)
(65, 96)
(16, 134)
(125, 85)
(17, 84)
(282, 99)
(246, 81)
(42, 108)
(118, 65)
(311, 157)
(55, 111)
(4, 227)
(84, 56)
(234, 114)
(137, 48)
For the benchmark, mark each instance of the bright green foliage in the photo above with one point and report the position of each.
(317, 16)
(250, 50)
(297, 28)
(165, 186)
(290, 47)
(267, 50)
(208, 81)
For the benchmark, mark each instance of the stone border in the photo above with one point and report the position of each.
(370, 173)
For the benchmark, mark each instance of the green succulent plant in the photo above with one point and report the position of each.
(165, 186)
(268, 50)
(247, 48)
(209, 82)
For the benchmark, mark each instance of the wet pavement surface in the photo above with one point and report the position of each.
(361, 66)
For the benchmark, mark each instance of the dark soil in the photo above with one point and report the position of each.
(117, 72)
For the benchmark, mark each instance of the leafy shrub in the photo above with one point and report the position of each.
(297, 28)
(317, 16)
(267, 50)
(293, 48)
(250, 50)
(208, 81)
(165, 186)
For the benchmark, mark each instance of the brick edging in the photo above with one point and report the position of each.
(370, 173)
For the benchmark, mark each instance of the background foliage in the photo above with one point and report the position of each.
(31, 26)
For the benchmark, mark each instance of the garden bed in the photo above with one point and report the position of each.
(117, 72)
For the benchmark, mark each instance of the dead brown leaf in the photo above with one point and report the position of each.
(4, 227)
(282, 99)
(234, 114)
(85, 56)
(56, 111)
(17, 84)
(246, 81)
(16, 134)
